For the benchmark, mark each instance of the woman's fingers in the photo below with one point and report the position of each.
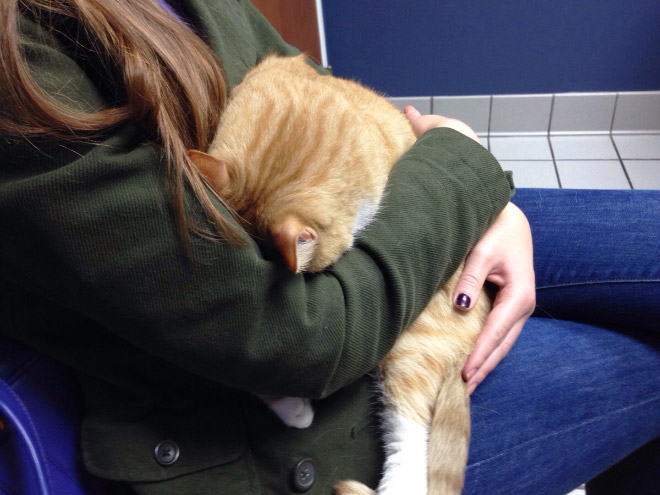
(511, 308)
(495, 356)
(504, 257)
(422, 123)
(468, 287)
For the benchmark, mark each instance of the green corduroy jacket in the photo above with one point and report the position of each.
(172, 349)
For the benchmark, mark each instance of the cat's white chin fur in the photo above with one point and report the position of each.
(406, 465)
(293, 411)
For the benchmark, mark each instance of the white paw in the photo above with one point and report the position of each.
(406, 462)
(293, 411)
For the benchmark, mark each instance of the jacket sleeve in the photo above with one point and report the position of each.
(90, 227)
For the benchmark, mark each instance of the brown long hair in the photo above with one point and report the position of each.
(174, 84)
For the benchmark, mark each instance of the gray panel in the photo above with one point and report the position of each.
(527, 114)
(421, 103)
(582, 112)
(473, 110)
(520, 148)
(638, 111)
(644, 174)
(643, 146)
(532, 173)
(583, 148)
(592, 174)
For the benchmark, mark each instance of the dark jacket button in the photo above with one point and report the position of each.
(166, 453)
(304, 475)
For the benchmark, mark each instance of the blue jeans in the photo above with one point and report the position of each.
(580, 390)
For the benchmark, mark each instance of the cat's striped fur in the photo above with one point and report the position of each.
(304, 159)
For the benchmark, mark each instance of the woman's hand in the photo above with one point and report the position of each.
(422, 123)
(503, 256)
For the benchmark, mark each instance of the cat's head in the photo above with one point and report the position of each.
(309, 224)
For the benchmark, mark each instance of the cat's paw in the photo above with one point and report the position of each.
(352, 488)
(293, 411)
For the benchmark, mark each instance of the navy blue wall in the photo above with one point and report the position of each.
(462, 47)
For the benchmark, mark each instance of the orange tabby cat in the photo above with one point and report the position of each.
(304, 160)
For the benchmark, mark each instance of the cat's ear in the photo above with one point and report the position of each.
(296, 241)
(214, 169)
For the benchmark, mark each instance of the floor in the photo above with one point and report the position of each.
(578, 140)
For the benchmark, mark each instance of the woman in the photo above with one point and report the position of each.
(112, 236)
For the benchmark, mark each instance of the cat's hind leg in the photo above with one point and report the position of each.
(405, 471)
(406, 455)
(352, 488)
(449, 436)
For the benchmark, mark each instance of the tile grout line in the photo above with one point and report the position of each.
(623, 166)
(552, 151)
(490, 113)
(616, 102)
(554, 162)
(616, 148)
(552, 109)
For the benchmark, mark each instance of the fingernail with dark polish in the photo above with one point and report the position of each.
(463, 300)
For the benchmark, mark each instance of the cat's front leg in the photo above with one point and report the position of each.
(293, 411)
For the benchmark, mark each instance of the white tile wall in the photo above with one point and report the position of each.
(637, 112)
(473, 110)
(520, 114)
(520, 147)
(644, 174)
(576, 112)
(583, 147)
(592, 174)
(533, 173)
(572, 140)
(638, 147)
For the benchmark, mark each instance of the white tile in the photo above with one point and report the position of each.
(421, 103)
(520, 114)
(520, 148)
(473, 110)
(583, 148)
(642, 146)
(580, 112)
(532, 174)
(644, 174)
(637, 111)
(592, 174)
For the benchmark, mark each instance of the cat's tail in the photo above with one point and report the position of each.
(352, 488)
(449, 437)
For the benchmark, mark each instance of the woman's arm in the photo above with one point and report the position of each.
(91, 228)
(96, 235)
(502, 256)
